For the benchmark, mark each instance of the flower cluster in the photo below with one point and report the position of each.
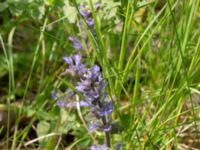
(92, 86)
(87, 15)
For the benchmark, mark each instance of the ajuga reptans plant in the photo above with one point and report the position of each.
(90, 84)
(92, 88)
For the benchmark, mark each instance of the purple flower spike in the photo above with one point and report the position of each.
(92, 87)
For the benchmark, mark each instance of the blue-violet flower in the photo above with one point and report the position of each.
(92, 86)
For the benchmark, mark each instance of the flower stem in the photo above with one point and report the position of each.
(107, 133)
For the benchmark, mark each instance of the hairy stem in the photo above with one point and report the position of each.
(107, 133)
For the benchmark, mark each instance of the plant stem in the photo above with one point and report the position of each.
(107, 133)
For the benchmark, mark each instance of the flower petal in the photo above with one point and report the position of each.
(106, 128)
(68, 60)
(99, 147)
(74, 104)
(77, 59)
(93, 127)
(106, 110)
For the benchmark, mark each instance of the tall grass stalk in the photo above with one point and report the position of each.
(28, 81)
(9, 59)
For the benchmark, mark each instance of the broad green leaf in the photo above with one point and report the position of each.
(70, 12)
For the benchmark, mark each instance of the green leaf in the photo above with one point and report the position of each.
(110, 8)
(43, 128)
(3, 6)
(3, 67)
(70, 12)
(37, 10)
(31, 8)
(85, 143)
(67, 121)
(125, 120)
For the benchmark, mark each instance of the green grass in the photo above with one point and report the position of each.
(149, 53)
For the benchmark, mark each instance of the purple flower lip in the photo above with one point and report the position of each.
(106, 110)
(99, 147)
(85, 13)
(96, 95)
(70, 38)
(96, 5)
(74, 104)
(107, 128)
(90, 22)
(68, 60)
(61, 103)
(87, 74)
(103, 85)
(93, 127)
(54, 95)
(76, 43)
(118, 146)
(95, 72)
(96, 68)
(75, 65)
(80, 87)
(77, 59)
